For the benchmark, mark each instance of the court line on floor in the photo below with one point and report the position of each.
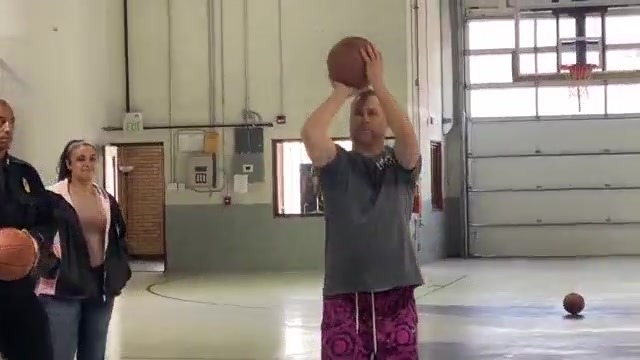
(150, 290)
(196, 358)
(436, 288)
(179, 358)
(288, 357)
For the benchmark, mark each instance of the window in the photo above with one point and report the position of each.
(297, 191)
(437, 197)
(490, 69)
(546, 31)
(623, 60)
(496, 68)
(623, 99)
(492, 93)
(496, 34)
(491, 34)
(620, 29)
(561, 100)
(502, 102)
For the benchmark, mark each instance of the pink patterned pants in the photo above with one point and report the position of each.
(348, 330)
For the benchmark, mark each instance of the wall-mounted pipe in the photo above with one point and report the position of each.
(281, 57)
(127, 86)
(172, 146)
(248, 115)
(211, 53)
(211, 61)
(203, 126)
(245, 41)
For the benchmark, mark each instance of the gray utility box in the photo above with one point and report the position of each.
(251, 165)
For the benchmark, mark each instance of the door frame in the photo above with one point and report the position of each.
(164, 202)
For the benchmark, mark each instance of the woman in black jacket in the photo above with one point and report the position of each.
(93, 267)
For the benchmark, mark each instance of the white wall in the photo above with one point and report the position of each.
(428, 69)
(179, 83)
(68, 55)
(428, 118)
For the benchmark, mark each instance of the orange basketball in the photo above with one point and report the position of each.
(346, 64)
(18, 254)
(573, 303)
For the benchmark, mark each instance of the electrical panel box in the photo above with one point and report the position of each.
(251, 165)
(249, 140)
(201, 171)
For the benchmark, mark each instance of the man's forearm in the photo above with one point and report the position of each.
(315, 132)
(43, 232)
(407, 148)
(320, 120)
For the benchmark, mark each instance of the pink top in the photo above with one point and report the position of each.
(97, 216)
(93, 222)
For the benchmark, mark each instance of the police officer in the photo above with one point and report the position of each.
(24, 327)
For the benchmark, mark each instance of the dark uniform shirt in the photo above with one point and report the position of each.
(24, 204)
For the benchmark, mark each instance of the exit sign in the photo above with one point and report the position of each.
(132, 122)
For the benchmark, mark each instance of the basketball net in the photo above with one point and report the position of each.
(579, 75)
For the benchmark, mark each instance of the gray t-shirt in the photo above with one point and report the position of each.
(367, 208)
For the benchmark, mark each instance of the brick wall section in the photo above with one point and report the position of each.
(142, 198)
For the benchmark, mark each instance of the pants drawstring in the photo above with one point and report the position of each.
(357, 316)
(373, 321)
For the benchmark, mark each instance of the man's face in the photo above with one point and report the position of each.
(368, 124)
(7, 127)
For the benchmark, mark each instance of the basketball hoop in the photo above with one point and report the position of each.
(579, 75)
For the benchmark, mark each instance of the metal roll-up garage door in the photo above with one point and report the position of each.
(554, 187)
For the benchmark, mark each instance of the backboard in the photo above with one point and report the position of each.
(565, 40)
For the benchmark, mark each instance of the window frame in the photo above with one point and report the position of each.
(620, 48)
(437, 176)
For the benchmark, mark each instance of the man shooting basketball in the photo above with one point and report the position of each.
(370, 264)
(24, 327)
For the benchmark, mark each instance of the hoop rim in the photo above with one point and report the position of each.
(579, 72)
(578, 66)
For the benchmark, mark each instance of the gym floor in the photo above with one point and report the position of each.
(474, 309)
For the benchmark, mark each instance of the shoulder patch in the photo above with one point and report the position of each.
(25, 185)
(28, 175)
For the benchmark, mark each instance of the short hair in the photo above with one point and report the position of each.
(5, 103)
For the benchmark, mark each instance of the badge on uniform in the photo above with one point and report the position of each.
(25, 185)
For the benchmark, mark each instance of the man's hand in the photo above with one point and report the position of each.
(375, 65)
(406, 145)
(36, 247)
(343, 91)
